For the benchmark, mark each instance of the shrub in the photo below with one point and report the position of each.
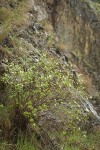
(34, 88)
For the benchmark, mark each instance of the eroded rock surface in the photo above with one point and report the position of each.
(77, 24)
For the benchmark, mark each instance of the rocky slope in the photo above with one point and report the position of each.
(59, 41)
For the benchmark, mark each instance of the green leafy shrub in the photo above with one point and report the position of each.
(34, 88)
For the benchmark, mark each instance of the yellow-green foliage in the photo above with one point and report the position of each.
(34, 88)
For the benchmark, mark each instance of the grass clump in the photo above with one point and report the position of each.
(82, 140)
(22, 144)
(12, 18)
(25, 145)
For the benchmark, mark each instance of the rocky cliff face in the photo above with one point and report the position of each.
(77, 24)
